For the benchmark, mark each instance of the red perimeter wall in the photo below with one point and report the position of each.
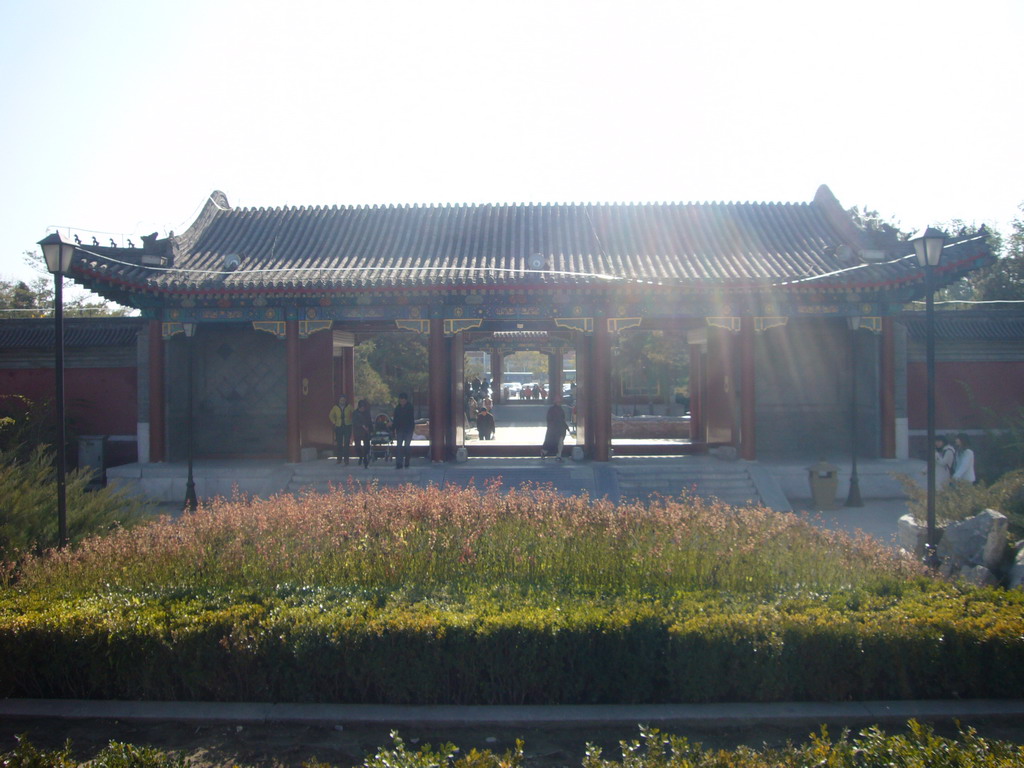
(98, 401)
(962, 391)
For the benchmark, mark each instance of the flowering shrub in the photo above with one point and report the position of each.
(450, 542)
(919, 746)
(454, 595)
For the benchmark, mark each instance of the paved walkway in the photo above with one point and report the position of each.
(353, 715)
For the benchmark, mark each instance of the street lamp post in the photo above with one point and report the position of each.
(853, 499)
(191, 502)
(928, 247)
(58, 255)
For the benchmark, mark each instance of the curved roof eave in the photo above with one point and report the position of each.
(696, 248)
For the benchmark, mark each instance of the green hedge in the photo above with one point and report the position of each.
(932, 642)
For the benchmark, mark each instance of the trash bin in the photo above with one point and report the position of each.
(824, 479)
(92, 453)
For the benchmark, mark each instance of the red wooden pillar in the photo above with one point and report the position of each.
(584, 375)
(887, 395)
(457, 389)
(748, 419)
(497, 364)
(157, 421)
(438, 383)
(600, 389)
(697, 384)
(554, 374)
(294, 389)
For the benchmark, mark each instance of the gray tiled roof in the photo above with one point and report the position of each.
(978, 325)
(704, 246)
(78, 332)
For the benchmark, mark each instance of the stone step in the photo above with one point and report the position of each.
(729, 484)
(674, 482)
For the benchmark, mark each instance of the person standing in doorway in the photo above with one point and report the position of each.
(485, 424)
(341, 418)
(403, 422)
(963, 472)
(362, 427)
(554, 435)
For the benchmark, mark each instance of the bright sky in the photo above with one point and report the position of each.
(121, 117)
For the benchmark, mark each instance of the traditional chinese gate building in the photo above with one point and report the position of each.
(765, 294)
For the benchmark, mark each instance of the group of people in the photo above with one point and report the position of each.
(536, 392)
(480, 410)
(953, 461)
(358, 426)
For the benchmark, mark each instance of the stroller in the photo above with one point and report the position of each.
(381, 439)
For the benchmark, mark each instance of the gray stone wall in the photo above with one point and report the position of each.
(239, 392)
(804, 391)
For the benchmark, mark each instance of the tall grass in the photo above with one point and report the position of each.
(28, 505)
(959, 501)
(417, 543)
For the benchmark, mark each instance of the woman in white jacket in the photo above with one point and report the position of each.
(964, 469)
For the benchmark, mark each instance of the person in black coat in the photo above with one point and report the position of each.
(557, 426)
(362, 426)
(485, 424)
(403, 422)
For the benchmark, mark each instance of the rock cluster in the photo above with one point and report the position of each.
(975, 550)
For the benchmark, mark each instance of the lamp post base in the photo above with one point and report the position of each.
(853, 498)
(191, 501)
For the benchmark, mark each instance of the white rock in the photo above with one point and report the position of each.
(1015, 579)
(978, 540)
(913, 537)
(978, 575)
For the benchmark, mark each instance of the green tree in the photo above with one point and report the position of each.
(1003, 280)
(653, 360)
(389, 364)
(369, 384)
(19, 298)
